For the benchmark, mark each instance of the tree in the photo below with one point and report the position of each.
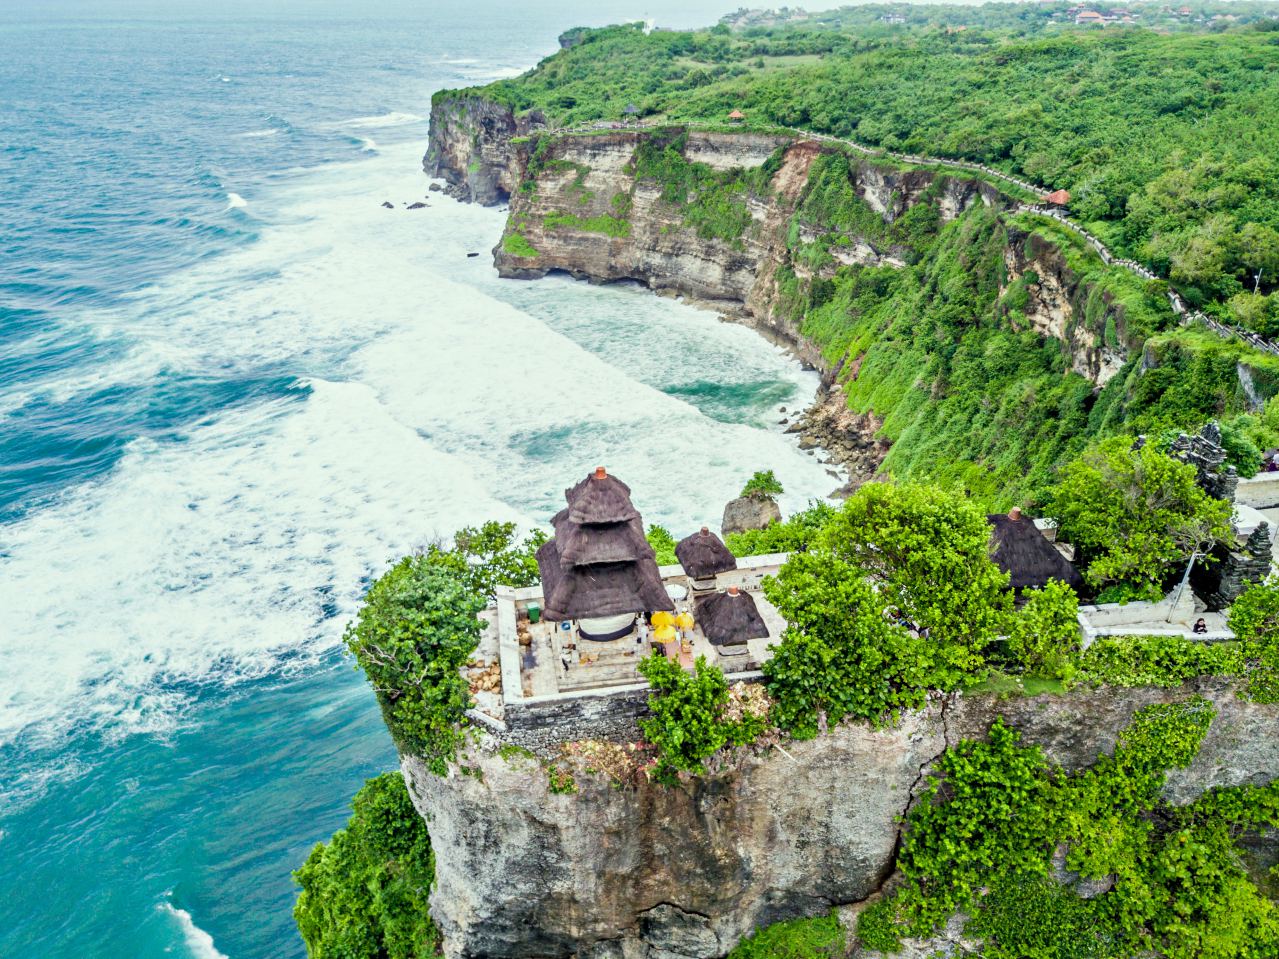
(688, 724)
(1254, 619)
(364, 893)
(416, 630)
(1259, 252)
(928, 550)
(840, 655)
(1135, 514)
(1045, 632)
(488, 556)
(663, 543)
(763, 485)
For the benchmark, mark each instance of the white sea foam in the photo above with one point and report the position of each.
(368, 145)
(236, 202)
(198, 942)
(392, 119)
(431, 395)
(253, 134)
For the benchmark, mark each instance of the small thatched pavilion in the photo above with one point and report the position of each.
(598, 564)
(730, 619)
(704, 555)
(1021, 550)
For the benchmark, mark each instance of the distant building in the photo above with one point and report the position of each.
(737, 116)
(1090, 17)
(1057, 198)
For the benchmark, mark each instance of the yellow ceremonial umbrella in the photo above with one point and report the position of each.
(664, 634)
(663, 618)
(684, 621)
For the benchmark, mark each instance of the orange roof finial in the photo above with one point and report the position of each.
(601, 472)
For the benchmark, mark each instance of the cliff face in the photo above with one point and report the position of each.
(1088, 323)
(668, 873)
(471, 147)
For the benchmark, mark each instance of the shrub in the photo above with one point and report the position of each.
(1254, 619)
(487, 556)
(364, 893)
(1135, 514)
(821, 937)
(763, 485)
(1044, 637)
(688, 724)
(417, 628)
(1165, 661)
(789, 536)
(663, 543)
(928, 551)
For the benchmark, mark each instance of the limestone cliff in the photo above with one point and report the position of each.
(665, 873)
(474, 146)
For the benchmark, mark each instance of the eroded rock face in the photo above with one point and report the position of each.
(685, 872)
(471, 148)
(1088, 323)
(749, 512)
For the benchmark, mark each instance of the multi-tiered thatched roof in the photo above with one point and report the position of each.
(704, 554)
(598, 563)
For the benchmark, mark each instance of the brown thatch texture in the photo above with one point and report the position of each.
(704, 554)
(600, 500)
(728, 620)
(1020, 549)
(582, 544)
(588, 592)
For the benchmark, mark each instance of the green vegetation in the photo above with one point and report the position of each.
(1254, 618)
(793, 535)
(364, 893)
(821, 937)
(982, 838)
(1134, 515)
(663, 543)
(1044, 637)
(897, 596)
(1166, 661)
(516, 244)
(764, 484)
(689, 721)
(417, 628)
(1177, 164)
(604, 223)
(419, 625)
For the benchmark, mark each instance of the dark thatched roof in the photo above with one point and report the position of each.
(728, 619)
(600, 498)
(581, 544)
(704, 554)
(605, 589)
(1020, 549)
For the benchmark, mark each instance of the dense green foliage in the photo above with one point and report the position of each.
(1254, 619)
(687, 721)
(1044, 636)
(821, 937)
(1134, 515)
(663, 543)
(897, 595)
(364, 893)
(982, 840)
(1163, 140)
(487, 556)
(793, 535)
(1166, 661)
(764, 484)
(415, 631)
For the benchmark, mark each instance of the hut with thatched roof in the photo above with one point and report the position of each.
(598, 564)
(729, 619)
(704, 555)
(1020, 549)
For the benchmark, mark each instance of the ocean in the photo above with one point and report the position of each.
(233, 387)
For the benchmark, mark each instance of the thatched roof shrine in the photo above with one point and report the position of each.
(730, 619)
(1021, 550)
(599, 563)
(704, 554)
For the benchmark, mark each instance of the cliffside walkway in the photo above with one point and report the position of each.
(1177, 304)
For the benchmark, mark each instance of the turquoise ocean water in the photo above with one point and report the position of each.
(232, 387)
